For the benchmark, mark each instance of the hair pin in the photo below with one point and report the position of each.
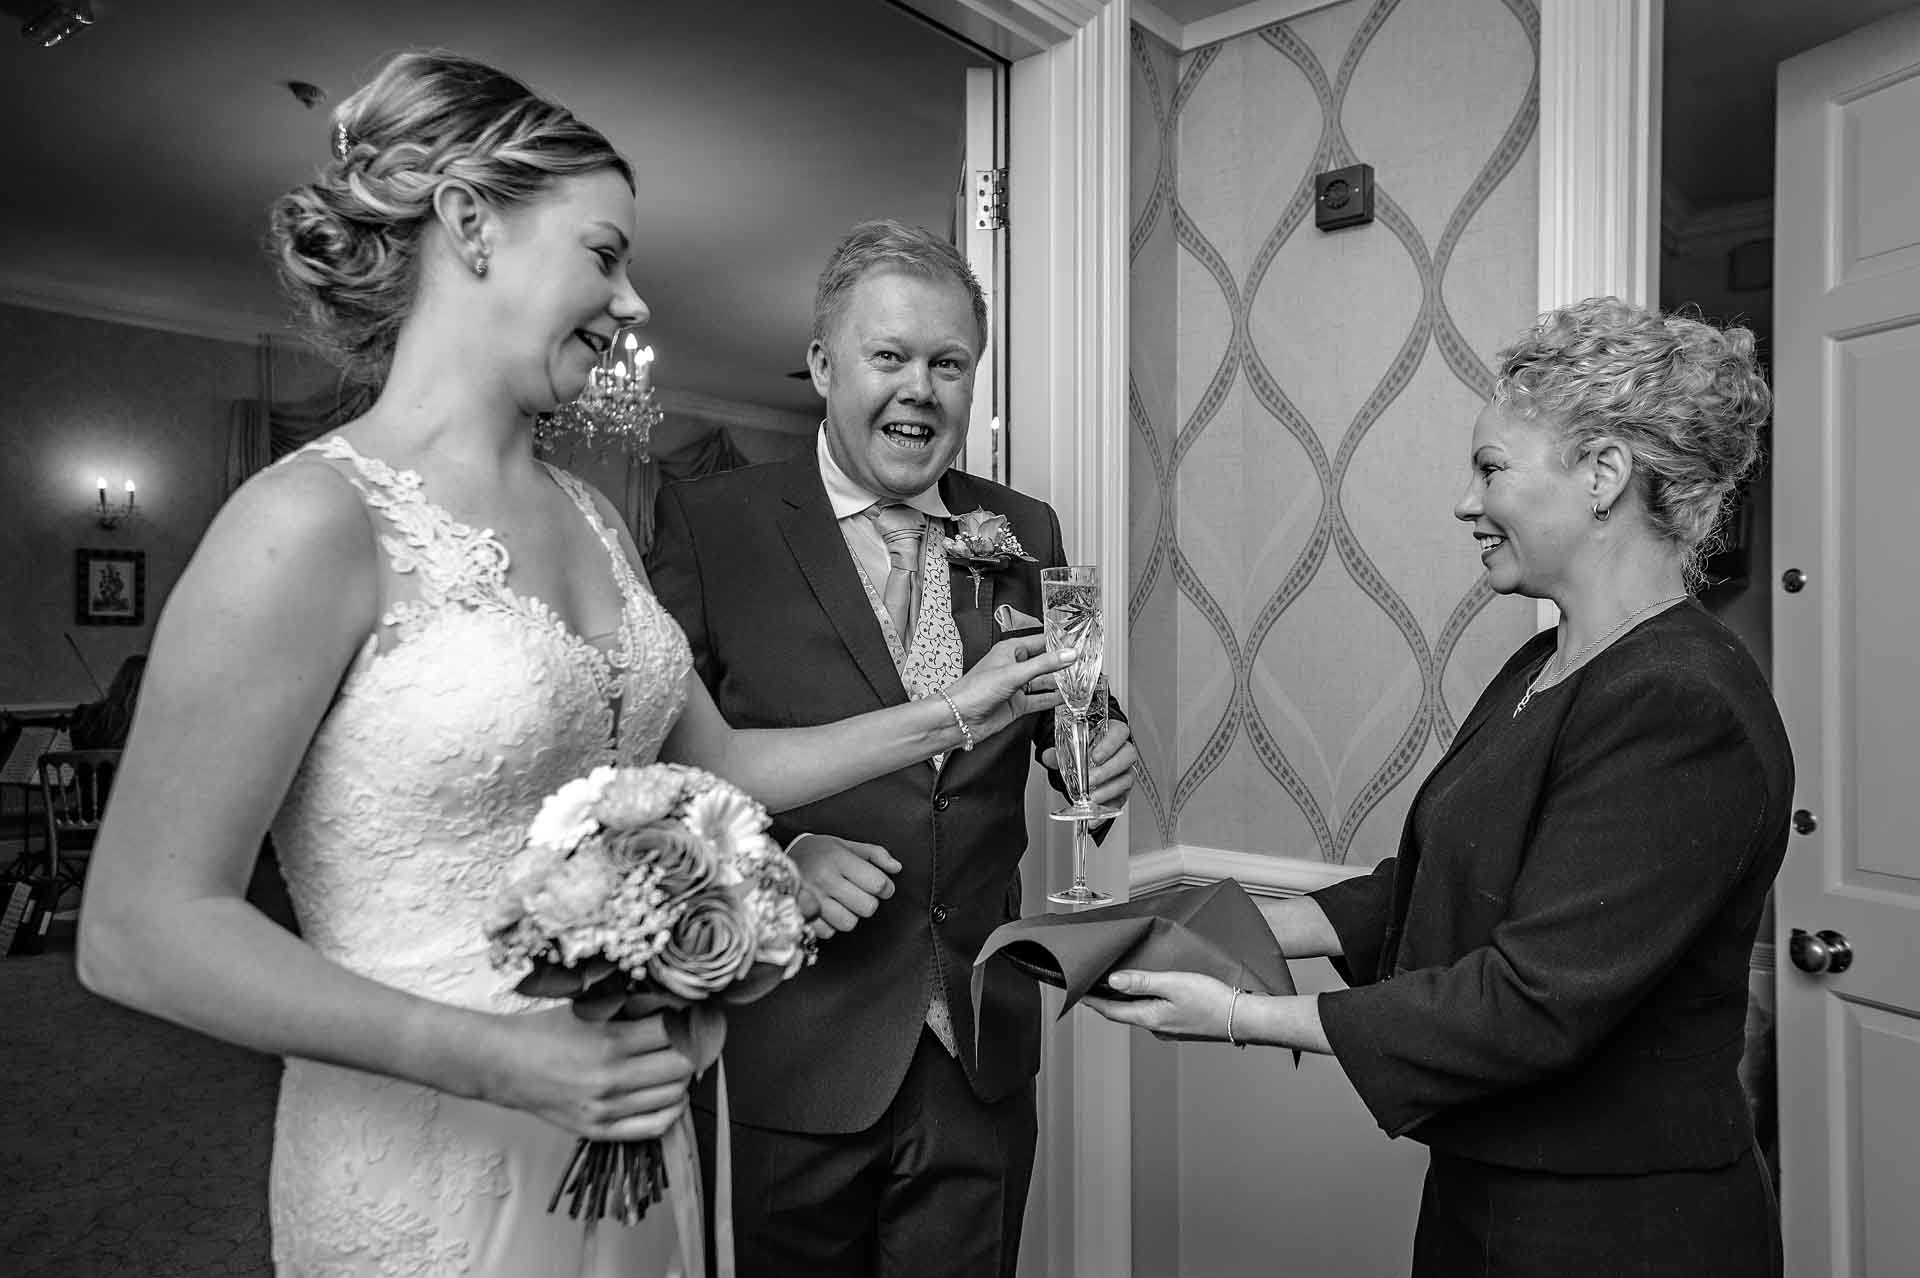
(342, 140)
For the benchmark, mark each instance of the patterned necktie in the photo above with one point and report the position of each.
(902, 528)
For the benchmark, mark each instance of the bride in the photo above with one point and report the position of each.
(388, 649)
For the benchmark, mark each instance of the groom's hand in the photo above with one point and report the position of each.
(1113, 757)
(850, 879)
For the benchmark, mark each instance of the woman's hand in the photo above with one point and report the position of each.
(613, 1080)
(1176, 1006)
(1015, 678)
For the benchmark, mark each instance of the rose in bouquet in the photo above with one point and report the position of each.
(645, 889)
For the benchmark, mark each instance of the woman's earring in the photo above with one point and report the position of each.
(480, 269)
(1601, 512)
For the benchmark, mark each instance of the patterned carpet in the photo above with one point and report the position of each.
(128, 1146)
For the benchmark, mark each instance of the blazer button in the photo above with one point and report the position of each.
(939, 914)
(942, 803)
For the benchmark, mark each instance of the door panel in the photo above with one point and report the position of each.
(1880, 177)
(1874, 469)
(1847, 381)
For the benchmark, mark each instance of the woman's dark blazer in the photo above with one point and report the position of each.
(1552, 972)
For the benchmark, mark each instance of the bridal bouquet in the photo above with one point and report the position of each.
(641, 889)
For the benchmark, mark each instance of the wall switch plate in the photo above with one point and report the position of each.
(1343, 197)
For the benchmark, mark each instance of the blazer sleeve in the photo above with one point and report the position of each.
(1650, 817)
(1360, 909)
(673, 569)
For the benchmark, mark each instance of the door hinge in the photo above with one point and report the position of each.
(989, 199)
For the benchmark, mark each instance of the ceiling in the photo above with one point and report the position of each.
(140, 155)
(1717, 114)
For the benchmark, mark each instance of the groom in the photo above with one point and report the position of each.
(867, 1138)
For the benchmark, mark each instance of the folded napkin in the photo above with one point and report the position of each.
(1214, 928)
(1012, 620)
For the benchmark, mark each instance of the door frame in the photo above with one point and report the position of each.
(1065, 425)
(1599, 229)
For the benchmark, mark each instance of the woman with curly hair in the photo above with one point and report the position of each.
(1548, 982)
(389, 648)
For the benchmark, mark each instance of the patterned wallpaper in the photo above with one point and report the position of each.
(1308, 621)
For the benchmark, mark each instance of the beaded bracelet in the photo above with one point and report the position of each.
(965, 731)
(1232, 1005)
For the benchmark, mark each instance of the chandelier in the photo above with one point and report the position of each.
(617, 409)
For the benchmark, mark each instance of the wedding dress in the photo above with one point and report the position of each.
(468, 707)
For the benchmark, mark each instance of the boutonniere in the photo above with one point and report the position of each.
(982, 541)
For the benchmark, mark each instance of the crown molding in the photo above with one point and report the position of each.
(1687, 228)
(1261, 875)
(1188, 36)
(248, 330)
(733, 413)
(188, 321)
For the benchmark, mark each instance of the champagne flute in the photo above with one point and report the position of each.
(1071, 598)
(1065, 724)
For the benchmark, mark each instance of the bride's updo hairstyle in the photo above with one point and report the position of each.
(347, 244)
(1684, 396)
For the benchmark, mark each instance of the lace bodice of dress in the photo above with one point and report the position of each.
(444, 739)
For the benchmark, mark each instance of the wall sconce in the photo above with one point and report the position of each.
(113, 515)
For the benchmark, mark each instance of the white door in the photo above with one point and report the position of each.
(982, 237)
(1846, 617)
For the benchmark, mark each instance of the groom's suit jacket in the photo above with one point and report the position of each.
(754, 566)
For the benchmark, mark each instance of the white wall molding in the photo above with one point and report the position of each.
(713, 410)
(1262, 876)
(186, 320)
(1014, 29)
(1599, 150)
(1188, 36)
(1068, 439)
(1599, 156)
(1065, 423)
(1687, 229)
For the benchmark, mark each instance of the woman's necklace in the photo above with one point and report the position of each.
(1540, 681)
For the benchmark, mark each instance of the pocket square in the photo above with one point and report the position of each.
(1010, 619)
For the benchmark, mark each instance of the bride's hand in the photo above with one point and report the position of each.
(614, 1080)
(1015, 678)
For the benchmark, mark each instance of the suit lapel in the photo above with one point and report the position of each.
(975, 623)
(813, 535)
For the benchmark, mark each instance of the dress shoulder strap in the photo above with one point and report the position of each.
(452, 562)
(573, 486)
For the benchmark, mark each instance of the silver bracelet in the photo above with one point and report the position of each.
(1233, 1005)
(965, 732)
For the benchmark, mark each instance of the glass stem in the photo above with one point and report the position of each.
(1080, 841)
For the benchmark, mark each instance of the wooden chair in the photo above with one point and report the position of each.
(73, 790)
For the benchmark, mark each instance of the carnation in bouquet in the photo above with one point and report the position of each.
(643, 889)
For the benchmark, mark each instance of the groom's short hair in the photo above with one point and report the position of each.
(889, 245)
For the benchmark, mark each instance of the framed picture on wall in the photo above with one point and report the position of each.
(109, 587)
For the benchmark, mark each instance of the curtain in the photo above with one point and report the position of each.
(707, 454)
(261, 430)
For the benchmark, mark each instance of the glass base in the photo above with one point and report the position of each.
(1080, 894)
(1084, 812)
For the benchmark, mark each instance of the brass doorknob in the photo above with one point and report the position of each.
(1822, 952)
(1793, 580)
(1804, 822)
